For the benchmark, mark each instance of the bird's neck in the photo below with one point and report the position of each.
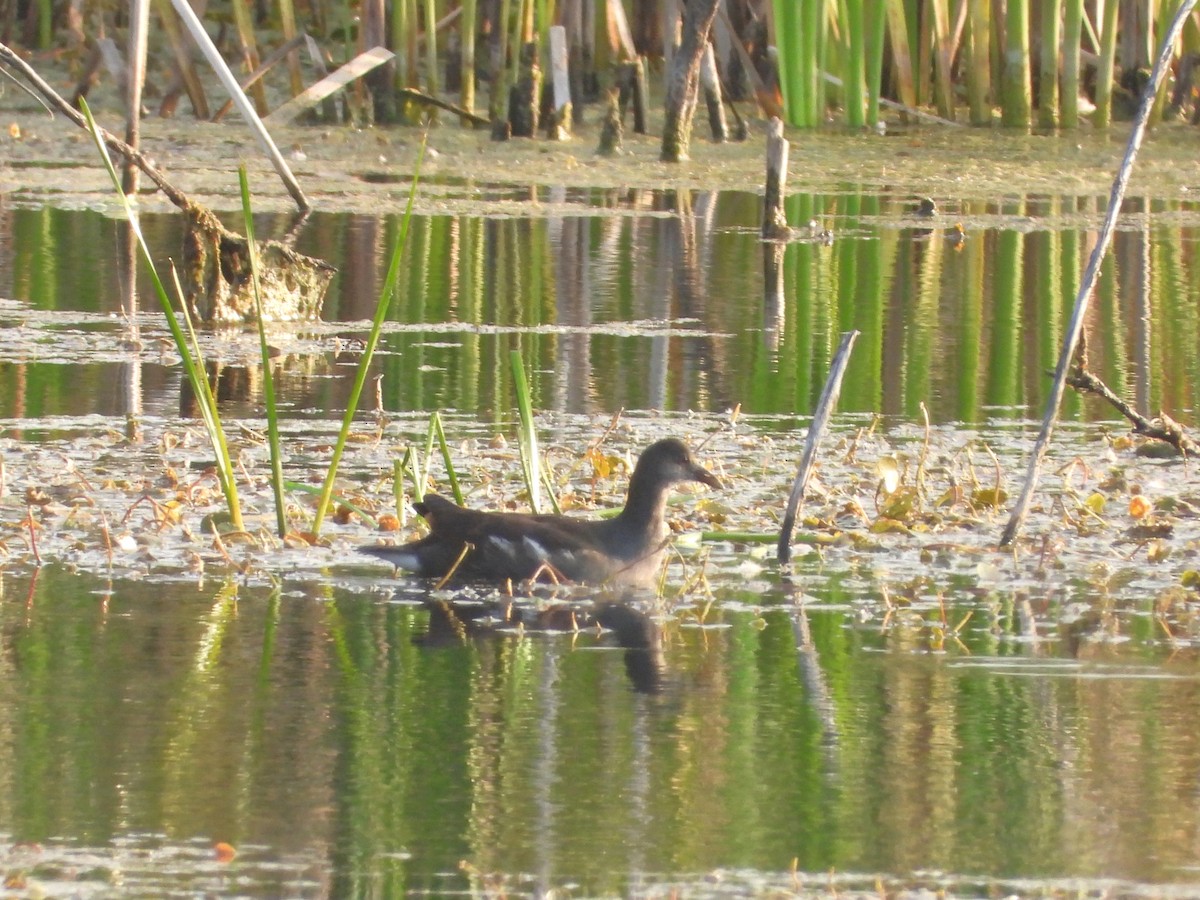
(645, 505)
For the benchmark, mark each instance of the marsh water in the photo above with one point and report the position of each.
(904, 709)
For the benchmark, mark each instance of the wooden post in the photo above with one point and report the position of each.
(774, 224)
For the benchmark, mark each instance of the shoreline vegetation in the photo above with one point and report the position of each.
(545, 67)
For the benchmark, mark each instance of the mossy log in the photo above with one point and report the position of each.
(216, 276)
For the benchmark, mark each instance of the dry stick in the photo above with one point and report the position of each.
(1162, 428)
(829, 396)
(1090, 274)
(114, 143)
(263, 68)
(461, 111)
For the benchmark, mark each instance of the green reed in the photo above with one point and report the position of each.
(189, 351)
(268, 378)
(364, 364)
(530, 457)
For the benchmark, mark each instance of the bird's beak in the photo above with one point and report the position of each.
(702, 475)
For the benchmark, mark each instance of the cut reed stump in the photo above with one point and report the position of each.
(522, 99)
(710, 82)
(632, 81)
(216, 261)
(612, 132)
(774, 224)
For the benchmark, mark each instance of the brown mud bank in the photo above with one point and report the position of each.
(47, 160)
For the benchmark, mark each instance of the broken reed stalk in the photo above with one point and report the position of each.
(192, 22)
(115, 144)
(774, 222)
(296, 283)
(829, 398)
(1075, 328)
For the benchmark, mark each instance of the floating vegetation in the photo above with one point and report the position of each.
(903, 520)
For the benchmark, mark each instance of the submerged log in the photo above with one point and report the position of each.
(216, 276)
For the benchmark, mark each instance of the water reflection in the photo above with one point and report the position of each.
(379, 742)
(451, 623)
(657, 300)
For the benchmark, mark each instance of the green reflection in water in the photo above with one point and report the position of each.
(655, 300)
(334, 727)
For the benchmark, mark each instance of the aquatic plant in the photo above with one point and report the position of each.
(190, 355)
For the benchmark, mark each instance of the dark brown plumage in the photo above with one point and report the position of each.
(626, 549)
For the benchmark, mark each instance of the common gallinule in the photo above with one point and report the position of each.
(626, 549)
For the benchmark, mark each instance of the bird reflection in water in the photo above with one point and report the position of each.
(620, 623)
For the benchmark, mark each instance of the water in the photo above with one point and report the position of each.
(648, 300)
(908, 708)
(346, 750)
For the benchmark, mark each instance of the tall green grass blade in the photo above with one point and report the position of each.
(194, 371)
(398, 490)
(206, 402)
(791, 61)
(943, 54)
(467, 43)
(264, 348)
(813, 29)
(897, 20)
(412, 466)
(527, 435)
(364, 364)
(876, 37)
(431, 60)
(1072, 36)
(436, 424)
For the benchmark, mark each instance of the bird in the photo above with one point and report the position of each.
(476, 546)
